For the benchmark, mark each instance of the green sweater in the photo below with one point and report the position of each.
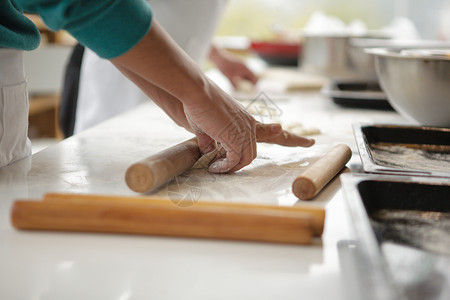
(108, 27)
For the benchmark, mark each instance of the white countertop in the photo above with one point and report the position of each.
(55, 266)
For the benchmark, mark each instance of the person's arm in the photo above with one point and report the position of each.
(108, 27)
(271, 133)
(119, 30)
(167, 102)
(212, 114)
(231, 66)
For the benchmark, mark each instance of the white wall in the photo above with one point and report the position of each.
(426, 14)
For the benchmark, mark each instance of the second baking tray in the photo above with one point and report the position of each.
(404, 150)
(357, 94)
(402, 227)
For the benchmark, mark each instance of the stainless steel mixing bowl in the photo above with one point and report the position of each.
(364, 64)
(417, 86)
(339, 56)
(326, 55)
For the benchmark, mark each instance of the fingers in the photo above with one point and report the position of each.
(249, 153)
(231, 161)
(236, 155)
(205, 142)
(241, 74)
(224, 164)
(291, 140)
(251, 76)
(274, 134)
(265, 132)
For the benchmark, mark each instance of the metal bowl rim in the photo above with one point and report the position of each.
(395, 53)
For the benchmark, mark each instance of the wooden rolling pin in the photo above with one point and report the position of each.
(317, 214)
(200, 221)
(316, 176)
(157, 169)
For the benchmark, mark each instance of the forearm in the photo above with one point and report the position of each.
(159, 60)
(167, 102)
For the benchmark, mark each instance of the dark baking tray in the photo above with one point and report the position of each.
(406, 252)
(357, 94)
(404, 150)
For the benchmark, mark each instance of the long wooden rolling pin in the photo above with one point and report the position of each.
(200, 221)
(315, 177)
(157, 169)
(317, 213)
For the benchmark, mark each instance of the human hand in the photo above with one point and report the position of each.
(238, 139)
(171, 105)
(225, 121)
(232, 67)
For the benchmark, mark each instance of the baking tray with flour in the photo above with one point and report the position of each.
(404, 150)
(402, 234)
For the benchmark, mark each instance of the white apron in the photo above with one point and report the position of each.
(14, 142)
(104, 92)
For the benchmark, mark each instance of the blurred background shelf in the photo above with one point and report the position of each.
(44, 69)
(43, 122)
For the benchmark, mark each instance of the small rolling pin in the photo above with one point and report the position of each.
(213, 221)
(317, 213)
(315, 177)
(157, 169)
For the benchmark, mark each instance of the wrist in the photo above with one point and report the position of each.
(196, 92)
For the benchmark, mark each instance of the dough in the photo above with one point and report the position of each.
(293, 80)
(204, 161)
(263, 110)
(245, 86)
(270, 114)
(299, 129)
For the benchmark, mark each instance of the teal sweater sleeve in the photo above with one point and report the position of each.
(16, 31)
(108, 27)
